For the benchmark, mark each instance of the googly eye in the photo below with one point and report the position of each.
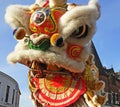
(38, 17)
(81, 32)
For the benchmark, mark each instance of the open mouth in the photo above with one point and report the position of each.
(40, 70)
(81, 32)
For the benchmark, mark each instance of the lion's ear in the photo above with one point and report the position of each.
(95, 5)
(18, 16)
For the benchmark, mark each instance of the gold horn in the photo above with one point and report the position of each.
(58, 3)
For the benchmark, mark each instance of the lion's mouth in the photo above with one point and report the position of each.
(40, 70)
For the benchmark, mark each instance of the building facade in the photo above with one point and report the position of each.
(111, 79)
(9, 91)
(112, 86)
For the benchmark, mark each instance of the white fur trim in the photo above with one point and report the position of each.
(16, 16)
(22, 53)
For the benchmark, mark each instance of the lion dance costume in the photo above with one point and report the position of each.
(54, 39)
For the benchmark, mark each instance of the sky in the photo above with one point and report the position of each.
(106, 40)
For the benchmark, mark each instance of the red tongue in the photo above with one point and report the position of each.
(52, 68)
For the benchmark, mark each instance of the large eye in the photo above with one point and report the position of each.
(38, 17)
(81, 32)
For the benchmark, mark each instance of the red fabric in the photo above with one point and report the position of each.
(76, 88)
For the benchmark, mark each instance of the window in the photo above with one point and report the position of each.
(13, 96)
(113, 96)
(0, 88)
(7, 93)
(0, 84)
(109, 98)
(117, 98)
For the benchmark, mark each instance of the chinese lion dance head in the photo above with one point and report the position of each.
(54, 41)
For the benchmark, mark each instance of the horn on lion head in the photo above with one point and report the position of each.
(52, 3)
(57, 3)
